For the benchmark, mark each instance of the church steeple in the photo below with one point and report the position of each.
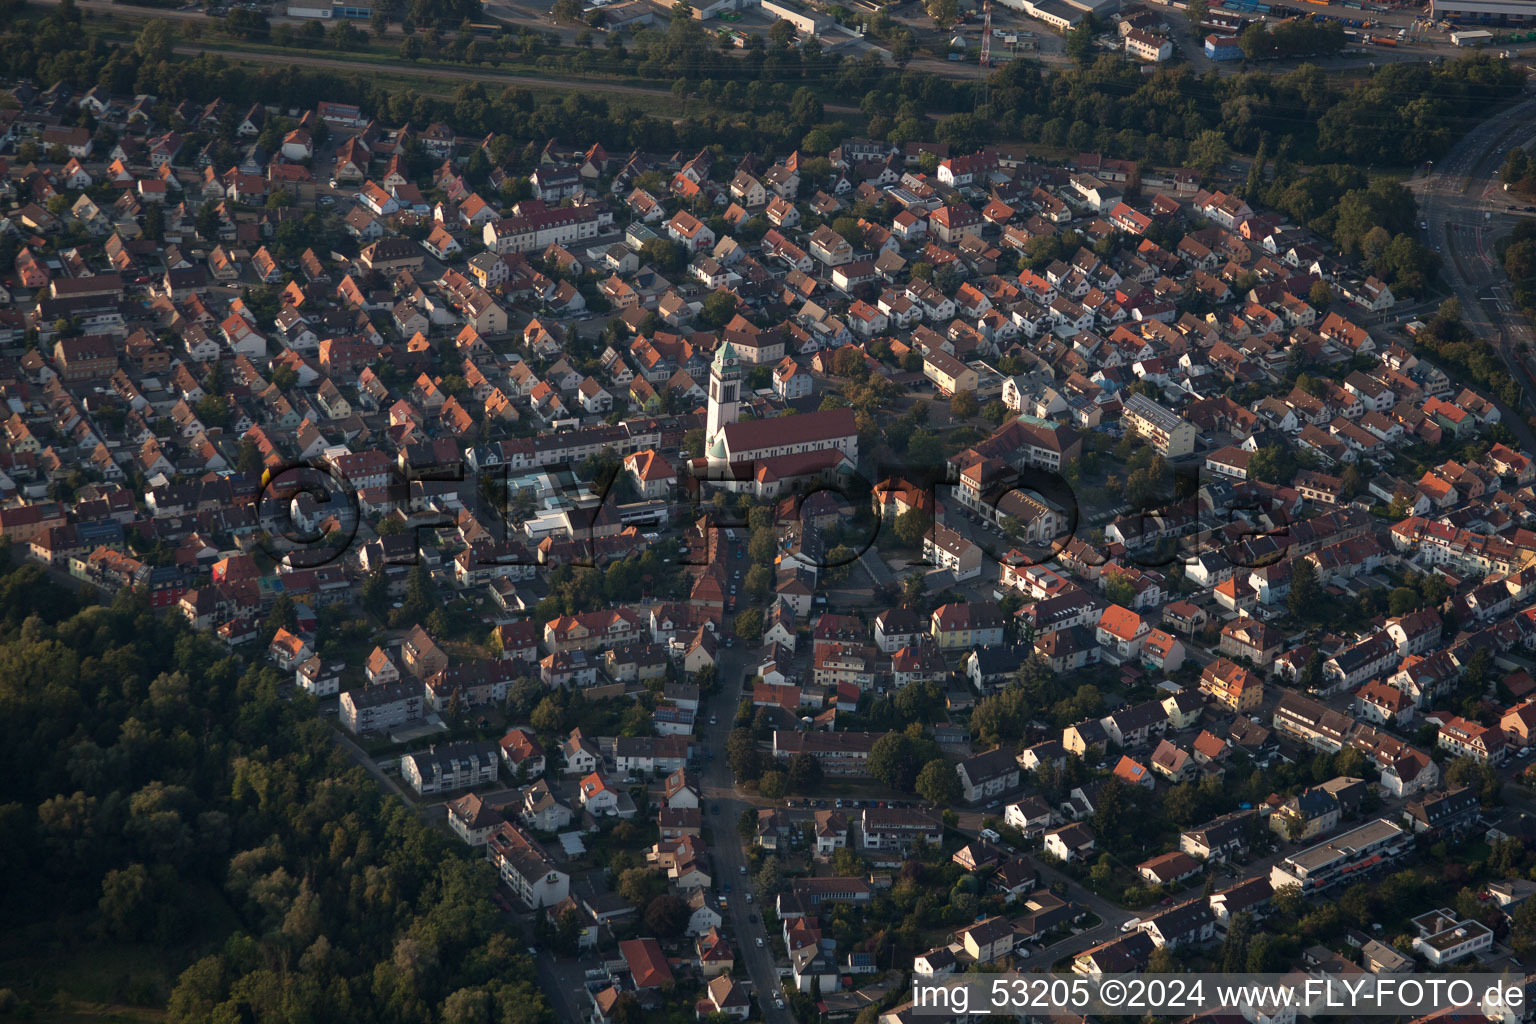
(724, 395)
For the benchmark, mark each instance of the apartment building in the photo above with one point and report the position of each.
(1344, 857)
(1171, 434)
(450, 767)
(382, 706)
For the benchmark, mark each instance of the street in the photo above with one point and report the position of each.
(1465, 208)
(752, 945)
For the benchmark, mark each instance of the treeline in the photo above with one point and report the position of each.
(1517, 254)
(1296, 38)
(158, 792)
(1449, 341)
(1371, 218)
(772, 97)
(1400, 114)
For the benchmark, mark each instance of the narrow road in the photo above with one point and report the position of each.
(360, 756)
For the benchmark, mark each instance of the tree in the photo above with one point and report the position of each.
(1320, 296)
(913, 587)
(1350, 482)
(804, 774)
(1305, 589)
(1196, 12)
(154, 41)
(749, 625)
(937, 783)
(1080, 42)
(127, 903)
(846, 861)
(718, 309)
(763, 546)
(1234, 950)
(375, 592)
(1272, 464)
(666, 915)
(893, 760)
(943, 12)
(1208, 151)
(282, 616)
(964, 405)
(639, 886)
(207, 221)
(548, 717)
(773, 784)
(769, 878)
(1119, 589)
(911, 527)
(758, 582)
(743, 755)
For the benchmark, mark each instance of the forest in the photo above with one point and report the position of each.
(168, 804)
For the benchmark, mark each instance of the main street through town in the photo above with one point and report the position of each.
(724, 807)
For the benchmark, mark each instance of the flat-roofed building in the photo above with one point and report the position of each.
(1344, 857)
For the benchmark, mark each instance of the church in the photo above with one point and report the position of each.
(770, 457)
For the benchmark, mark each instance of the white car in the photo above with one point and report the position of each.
(759, 942)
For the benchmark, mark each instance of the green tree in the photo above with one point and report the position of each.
(666, 915)
(1208, 151)
(943, 12)
(937, 783)
(743, 755)
(1305, 589)
(154, 41)
(804, 775)
(718, 309)
(639, 886)
(548, 717)
(127, 904)
(763, 547)
(749, 625)
(773, 784)
(911, 527)
(1080, 42)
(1320, 296)
(894, 760)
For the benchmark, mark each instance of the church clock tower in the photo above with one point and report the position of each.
(724, 396)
